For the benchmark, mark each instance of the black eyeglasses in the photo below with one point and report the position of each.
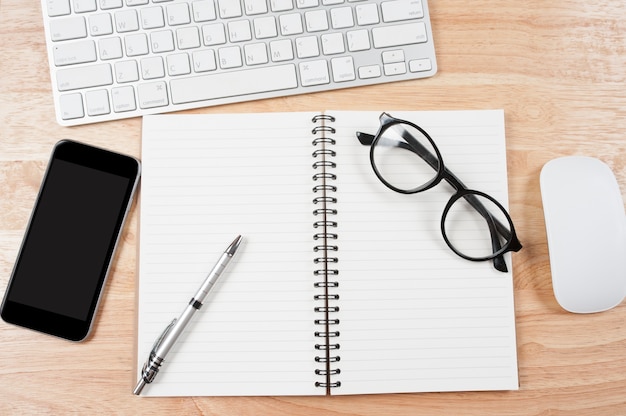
(474, 225)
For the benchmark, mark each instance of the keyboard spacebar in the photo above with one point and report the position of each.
(231, 84)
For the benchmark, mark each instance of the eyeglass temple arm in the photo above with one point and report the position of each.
(494, 225)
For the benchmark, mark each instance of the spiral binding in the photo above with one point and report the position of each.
(325, 236)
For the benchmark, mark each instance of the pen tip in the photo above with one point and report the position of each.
(232, 248)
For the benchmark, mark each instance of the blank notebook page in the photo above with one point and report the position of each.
(413, 316)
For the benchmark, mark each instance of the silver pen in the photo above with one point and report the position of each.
(169, 336)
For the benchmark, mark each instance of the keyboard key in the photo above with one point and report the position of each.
(152, 68)
(68, 28)
(229, 84)
(306, 4)
(358, 40)
(281, 5)
(162, 41)
(265, 27)
(229, 8)
(188, 38)
(418, 65)
(397, 68)
(58, 7)
(230, 57)
(369, 71)
(397, 10)
(316, 21)
(203, 11)
(152, 18)
(97, 102)
(343, 69)
(84, 6)
(178, 64)
(390, 57)
(136, 44)
(100, 24)
(178, 14)
(281, 50)
(314, 73)
(84, 77)
(71, 106)
(307, 47)
(110, 4)
(254, 7)
(74, 53)
(256, 54)
(341, 17)
(332, 44)
(239, 31)
(126, 21)
(204, 60)
(152, 94)
(367, 14)
(126, 71)
(404, 34)
(291, 24)
(110, 48)
(123, 99)
(213, 34)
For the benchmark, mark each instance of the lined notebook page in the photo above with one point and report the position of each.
(413, 315)
(207, 179)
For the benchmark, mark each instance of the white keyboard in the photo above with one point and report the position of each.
(114, 59)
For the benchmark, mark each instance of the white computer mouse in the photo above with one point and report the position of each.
(586, 228)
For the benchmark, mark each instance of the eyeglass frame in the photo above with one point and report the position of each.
(461, 191)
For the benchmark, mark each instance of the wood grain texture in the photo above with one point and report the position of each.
(557, 68)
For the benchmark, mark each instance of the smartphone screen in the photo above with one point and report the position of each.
(70, 240)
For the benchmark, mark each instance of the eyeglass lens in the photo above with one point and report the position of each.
(476, 226)
(397, 156)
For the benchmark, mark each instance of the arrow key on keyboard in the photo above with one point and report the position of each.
(369, 71)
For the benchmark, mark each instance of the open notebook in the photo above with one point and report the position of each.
(392, 310)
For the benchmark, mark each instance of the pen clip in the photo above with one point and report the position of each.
(161, 337)
(151, 367)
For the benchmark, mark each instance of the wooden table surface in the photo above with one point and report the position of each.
(557, 68)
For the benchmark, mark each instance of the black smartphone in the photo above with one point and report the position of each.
(70, 240)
